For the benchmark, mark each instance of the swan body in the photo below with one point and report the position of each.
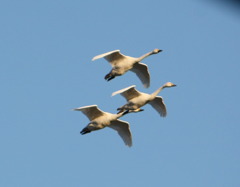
(121, 64)
(99, 120)
(136, 99)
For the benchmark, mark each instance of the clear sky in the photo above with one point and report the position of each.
(46, 70)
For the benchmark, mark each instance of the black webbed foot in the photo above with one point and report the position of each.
(125, 112)
(85, 131)
(109, 77)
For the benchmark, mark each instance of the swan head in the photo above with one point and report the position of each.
(168, 85)
(156, 51)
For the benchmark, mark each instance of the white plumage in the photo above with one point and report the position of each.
(136, 99)
(121, 64)
(99, 119)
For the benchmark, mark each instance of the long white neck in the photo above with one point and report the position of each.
(154, 94)
(144, 56)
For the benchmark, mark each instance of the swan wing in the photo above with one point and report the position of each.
(129, 92)
(111, 57)
(91, 111)
(142, 72)
(122, 127)
(159, 106)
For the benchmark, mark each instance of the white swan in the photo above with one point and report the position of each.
(99, 119)
(136, 99)
(121, 64)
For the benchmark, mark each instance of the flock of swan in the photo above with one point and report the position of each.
(135, 100)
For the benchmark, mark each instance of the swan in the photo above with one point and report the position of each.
(136, 99)
(99, 120)
(121, 64)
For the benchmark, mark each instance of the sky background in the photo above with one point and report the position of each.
(46, 70)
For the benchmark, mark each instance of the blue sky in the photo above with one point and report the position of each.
(46, 70)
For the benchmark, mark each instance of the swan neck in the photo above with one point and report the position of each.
(154, 94)
(144, 56)
(119, 115)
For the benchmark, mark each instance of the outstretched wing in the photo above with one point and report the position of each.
(112, 57)
(91, 111)
(159, 106)
(129, 92)
(123, 130)
(141, 71)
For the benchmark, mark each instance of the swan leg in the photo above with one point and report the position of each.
(85, 131)
(125, 112)
(127, 109)
(122, 111)
(136, 110)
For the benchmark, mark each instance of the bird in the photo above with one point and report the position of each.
(100, 119)
(121, 64)
(136, 99)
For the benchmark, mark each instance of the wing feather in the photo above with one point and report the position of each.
(142, 72)
(128, 93)
(122, 127)
(159, 106)
(91, 111)
(112, 57)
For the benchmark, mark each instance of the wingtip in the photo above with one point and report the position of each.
(104, 54)
(75, 109)
(81, 108)
(147, 85)
(122, 90)
(129, 145)
(164, 115)
(113, 94)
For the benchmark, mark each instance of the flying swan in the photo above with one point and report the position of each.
(136, 99)
(121, 64)
(99, 120)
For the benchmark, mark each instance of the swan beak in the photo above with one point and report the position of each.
(156, 51)
(174, 85)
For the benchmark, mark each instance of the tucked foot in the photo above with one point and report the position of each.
(85, 131)
(140, 110)
(126, 112)
(136, 110)
(120, 110)
(109, 77)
